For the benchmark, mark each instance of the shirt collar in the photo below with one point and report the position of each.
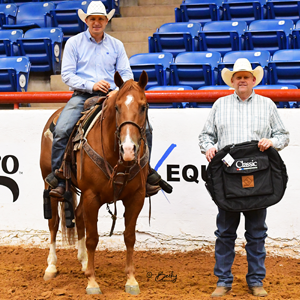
(235, 96)
(90, 38)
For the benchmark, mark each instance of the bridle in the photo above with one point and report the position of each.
(142, 132)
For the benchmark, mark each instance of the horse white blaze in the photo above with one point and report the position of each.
(129, 100)
(128, 147)
(52, 259)
(82, 254)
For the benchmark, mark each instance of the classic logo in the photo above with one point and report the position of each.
(6, 181)
(241, 165)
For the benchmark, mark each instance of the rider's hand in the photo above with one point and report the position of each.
(210, 153)
(111, 93)
(264, 144)
(102, 86)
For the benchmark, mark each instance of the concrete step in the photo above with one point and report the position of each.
(135, 48)
(44, 106)
(132, 36)
(151, 10)
(160, 2)
(140, 23)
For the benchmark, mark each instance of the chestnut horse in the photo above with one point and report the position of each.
(123, 118)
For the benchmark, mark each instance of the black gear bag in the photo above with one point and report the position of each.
(255, 180)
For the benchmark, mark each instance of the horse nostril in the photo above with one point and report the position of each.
(134, 148)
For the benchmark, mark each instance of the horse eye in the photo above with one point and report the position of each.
(117, 108)
(143, 108)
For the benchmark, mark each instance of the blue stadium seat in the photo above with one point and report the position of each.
(174, 104)
(276, 87)
(157, 66)
(32, 15)
(201, 11)
(14, 74)
(195, 69)
(66, 17)
(222, 36)
(289, 104)
(284, 68)
(244, 10)
(256, 58)
(43, 46)
(271, 35)
(8, 42)
(8, 14)
(175, 38)
(216, 87)
(283, 9)
(171, 88)
(296, 36)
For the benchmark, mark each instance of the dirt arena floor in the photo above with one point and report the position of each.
(187, 275)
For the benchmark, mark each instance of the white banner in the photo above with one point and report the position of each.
(183, 220)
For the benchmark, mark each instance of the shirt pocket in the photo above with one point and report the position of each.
(109, 61)
(261, 125)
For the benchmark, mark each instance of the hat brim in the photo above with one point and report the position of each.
(82, 15)
(258, 73)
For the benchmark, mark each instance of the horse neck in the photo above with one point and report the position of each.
(107, 132)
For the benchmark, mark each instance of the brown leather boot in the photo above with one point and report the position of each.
(152, 190)
(58, 192)
(220, 291)
(258, 291)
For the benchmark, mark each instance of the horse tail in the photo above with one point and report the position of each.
(68, 234)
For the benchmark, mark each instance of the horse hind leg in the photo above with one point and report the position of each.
(53, 223)
(82, 253)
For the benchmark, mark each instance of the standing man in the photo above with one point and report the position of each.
(237, 118)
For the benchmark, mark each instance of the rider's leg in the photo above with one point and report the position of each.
(66, 121)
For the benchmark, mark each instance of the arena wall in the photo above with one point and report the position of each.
(183, 220)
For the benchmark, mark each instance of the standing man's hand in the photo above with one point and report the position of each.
(264, 144)
(210, 153)
(102, 86)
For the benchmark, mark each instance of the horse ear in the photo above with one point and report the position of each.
(143, 80)
(118, 79)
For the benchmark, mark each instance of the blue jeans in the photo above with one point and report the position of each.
(65, 124)
(256, 233)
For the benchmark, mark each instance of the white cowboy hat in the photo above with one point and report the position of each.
(95, 8)
(242, 64)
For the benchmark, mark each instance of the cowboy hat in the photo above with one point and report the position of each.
(95, 8)
(242, 64)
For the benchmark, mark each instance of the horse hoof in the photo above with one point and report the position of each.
(93, 291)
(132, 289)
(49, 275)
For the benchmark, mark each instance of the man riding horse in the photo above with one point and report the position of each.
(90, 61)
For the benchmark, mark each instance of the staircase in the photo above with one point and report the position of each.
(140, 19)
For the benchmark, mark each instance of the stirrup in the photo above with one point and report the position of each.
(155, 179)
(51, 180)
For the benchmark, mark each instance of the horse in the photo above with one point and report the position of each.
(122, 122)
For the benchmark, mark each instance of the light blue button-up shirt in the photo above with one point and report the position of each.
(86, 62)
(233, 121)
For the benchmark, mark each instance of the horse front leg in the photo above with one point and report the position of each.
(82, 253)
(132, 211)
(90, 212)
(53, 224)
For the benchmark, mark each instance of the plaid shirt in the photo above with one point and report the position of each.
(233, 121)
